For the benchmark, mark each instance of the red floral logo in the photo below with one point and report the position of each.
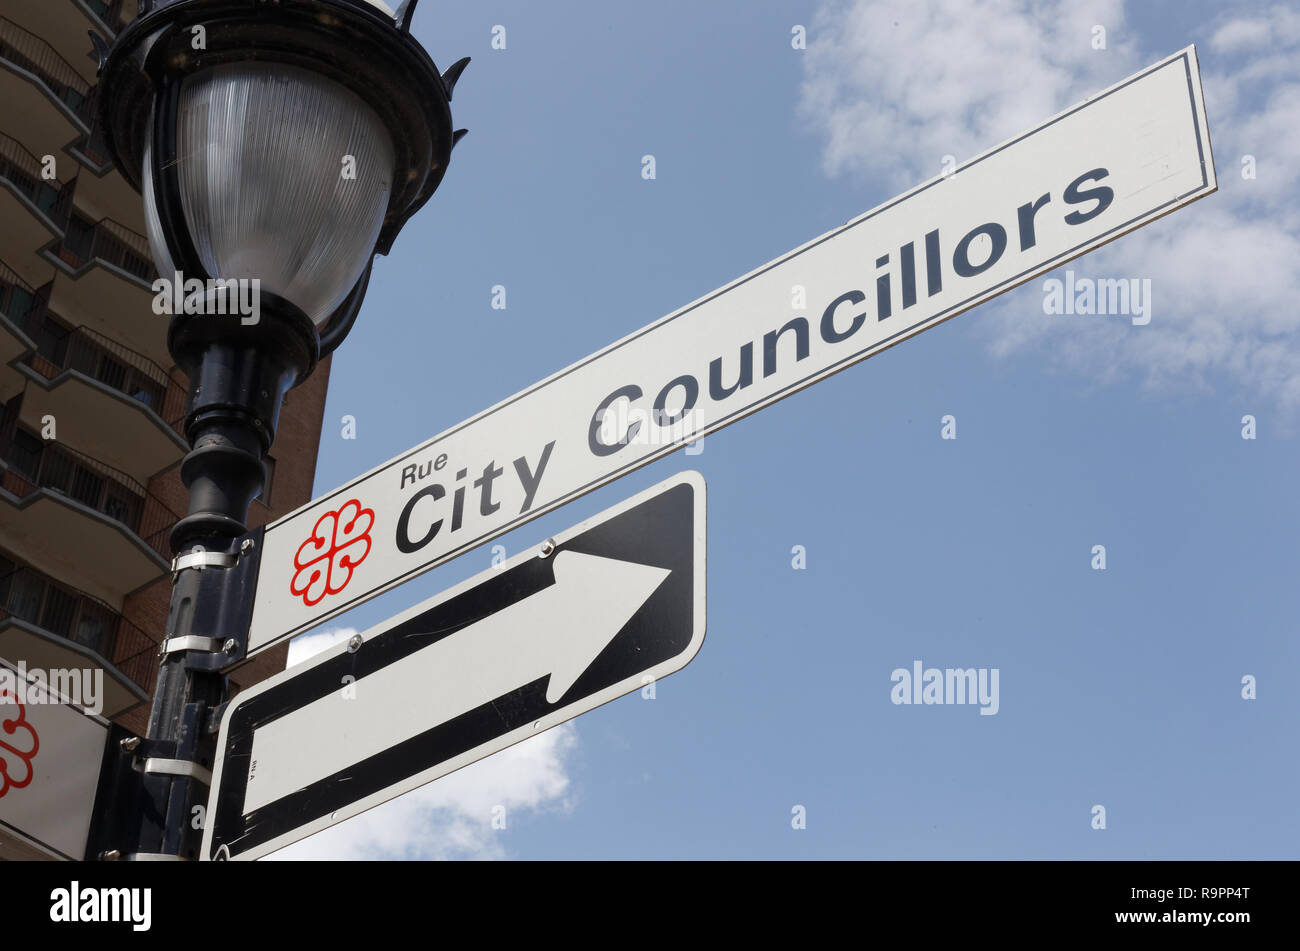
(12, 755)
(325, 561)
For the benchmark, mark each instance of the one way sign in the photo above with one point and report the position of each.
(594, 613)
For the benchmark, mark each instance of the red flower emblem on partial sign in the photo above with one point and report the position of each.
(14, 751)
(325, 561)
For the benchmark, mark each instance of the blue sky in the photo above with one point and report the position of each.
(1121, 687)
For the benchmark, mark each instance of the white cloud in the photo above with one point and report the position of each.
(896, 86)
(309, 645)
(450, 818)
(893, 87)
(1251, 33)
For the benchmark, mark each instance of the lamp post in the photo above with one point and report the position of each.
(279, 145)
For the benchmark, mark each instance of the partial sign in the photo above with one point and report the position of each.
(600, 610)
(1109, 165)
(50, 757)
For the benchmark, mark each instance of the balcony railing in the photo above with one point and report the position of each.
(92, 483)
(22, 169)
(16, 296)
(113, 244)
(29, 595)
(106, 240)
(29, 52)
(117, 367)
(88, 352)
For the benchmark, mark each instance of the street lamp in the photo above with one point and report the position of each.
(279, 146)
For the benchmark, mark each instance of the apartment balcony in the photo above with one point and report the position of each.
(47, 72)
(109, 245)
(115, 403)
(107, 195)
(55, 99)
(39, 73)
(107, 266)
(51, 626)
(34, 209)
(63, 24)
(109, 270)
(17, 298)
(78, 518)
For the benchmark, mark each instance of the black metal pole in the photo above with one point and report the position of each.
(238, 377)
(238, 373)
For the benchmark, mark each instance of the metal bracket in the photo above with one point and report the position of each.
(210, 662)
(151, 857)
(179, 767)
(200, 558)
(189, 642)
(202, 652)
(138, 749)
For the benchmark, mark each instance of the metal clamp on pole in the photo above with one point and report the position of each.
(151, 857)
(202, 558)
(192, 642)
(213, 641)
(203, 653)
(179, 767)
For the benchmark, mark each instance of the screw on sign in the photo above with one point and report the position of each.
(338, 543)
(8, 728)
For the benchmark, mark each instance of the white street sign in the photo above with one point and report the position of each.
(1109, 165)
(50, 756)
(607, 607)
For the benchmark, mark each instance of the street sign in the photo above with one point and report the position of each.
(1109, 165)
(50, 757)
(598, 611)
